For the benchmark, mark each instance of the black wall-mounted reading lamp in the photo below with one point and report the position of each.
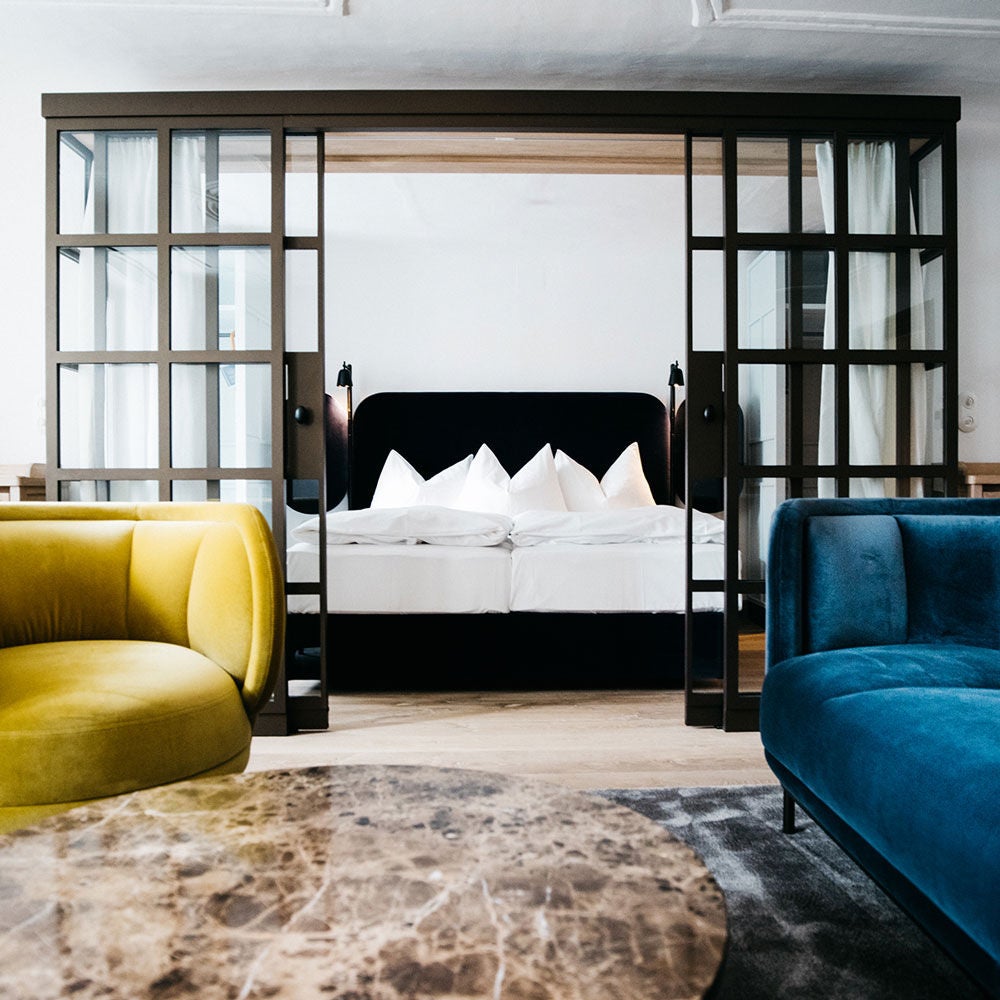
(676, 378)
(345, 380)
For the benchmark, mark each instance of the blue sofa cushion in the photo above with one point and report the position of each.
(953, 574)
(903, 744)
(855, 582)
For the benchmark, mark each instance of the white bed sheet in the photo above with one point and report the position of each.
(404, 579)
(613, 578)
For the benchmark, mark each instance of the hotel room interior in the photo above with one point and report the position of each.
(505, 329)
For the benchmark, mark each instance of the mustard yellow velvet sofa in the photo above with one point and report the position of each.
(137, 644)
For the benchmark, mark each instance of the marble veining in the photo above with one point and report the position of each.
(356, 883)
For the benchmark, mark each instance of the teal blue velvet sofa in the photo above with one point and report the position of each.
(880, 710)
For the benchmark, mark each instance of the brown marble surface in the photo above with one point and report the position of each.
(356, 883)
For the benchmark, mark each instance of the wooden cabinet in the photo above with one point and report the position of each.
(22, 482)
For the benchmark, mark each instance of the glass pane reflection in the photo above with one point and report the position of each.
(871, 186)
(107, 299)
(252, 491)
(786, 299)
(107, 182)
(220, 416)
(762, 185)
(107, 416)
(220, 298)
(220, 182)
(113, 490)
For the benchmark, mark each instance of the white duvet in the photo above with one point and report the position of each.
(613, 527)
(431, 525)
(441, 560)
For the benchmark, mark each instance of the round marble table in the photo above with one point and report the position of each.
(356, 883)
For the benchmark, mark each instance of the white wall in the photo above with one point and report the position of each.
(505, 281)
(979, 274)
(22, 275)
(637, 351)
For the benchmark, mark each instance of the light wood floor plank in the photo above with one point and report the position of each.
(578, 739)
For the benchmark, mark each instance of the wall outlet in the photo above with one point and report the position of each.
(966, 411)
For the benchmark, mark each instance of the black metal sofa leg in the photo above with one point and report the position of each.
(787, 812)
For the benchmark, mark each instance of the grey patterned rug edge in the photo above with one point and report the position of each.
(804, 921)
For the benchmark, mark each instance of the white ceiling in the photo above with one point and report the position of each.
(917, 46)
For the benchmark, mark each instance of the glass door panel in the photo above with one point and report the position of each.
(706, 187)
(817, 201)
(871, 186)
(252, 491)
(107, 298)
(220, 181)
(301, 300)
(221, 416)
(762, 185)
(107, 416)
(927, 186)
(109, 490)
(107, 182)
(220, 298)
(302, 185)
(785, 297)
(708, 307)
(927, 303)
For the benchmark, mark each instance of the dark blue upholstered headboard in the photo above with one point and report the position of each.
(433, 430)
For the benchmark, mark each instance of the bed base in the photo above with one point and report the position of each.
(515, 651)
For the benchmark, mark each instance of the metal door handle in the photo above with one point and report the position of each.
(302, 415)
(709, 413)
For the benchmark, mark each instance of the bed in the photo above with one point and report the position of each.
(535, 598)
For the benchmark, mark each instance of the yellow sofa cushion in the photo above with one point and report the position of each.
(86, 719)
(63, 580)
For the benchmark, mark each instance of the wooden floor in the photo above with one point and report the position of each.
(579, 739)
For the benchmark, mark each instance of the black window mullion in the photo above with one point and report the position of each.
(163, 300)
(949, 185)
(840, 355)
(794, 307)
(276, 244)
(731, 656)
(904, 316)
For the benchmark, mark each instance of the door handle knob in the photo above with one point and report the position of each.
(708, 413)
(302, 415)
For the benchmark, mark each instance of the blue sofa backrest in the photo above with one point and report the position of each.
(845, 573)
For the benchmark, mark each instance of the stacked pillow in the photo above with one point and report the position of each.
(481, 483)
(623, 487)
(400, 485)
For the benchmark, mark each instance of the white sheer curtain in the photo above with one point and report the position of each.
(871, 321)
(114, 423)
(187, 183)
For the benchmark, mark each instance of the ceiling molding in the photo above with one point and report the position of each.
(229, 6)
(819, 15)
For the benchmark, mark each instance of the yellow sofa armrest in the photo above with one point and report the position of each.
(236, 579)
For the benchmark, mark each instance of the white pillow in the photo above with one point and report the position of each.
(407, 525)
(488, 487)
(623, 487)
(400, 485)
(603, 527)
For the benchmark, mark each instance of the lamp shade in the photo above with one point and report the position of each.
(676, 375)
(345, 376)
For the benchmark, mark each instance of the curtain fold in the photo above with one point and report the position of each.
(116, 410)
(872, 315)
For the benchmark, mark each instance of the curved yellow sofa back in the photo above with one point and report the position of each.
(202, 575)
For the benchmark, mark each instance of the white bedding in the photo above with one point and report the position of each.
(403, 579)
(443, 579)
(636, 576)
